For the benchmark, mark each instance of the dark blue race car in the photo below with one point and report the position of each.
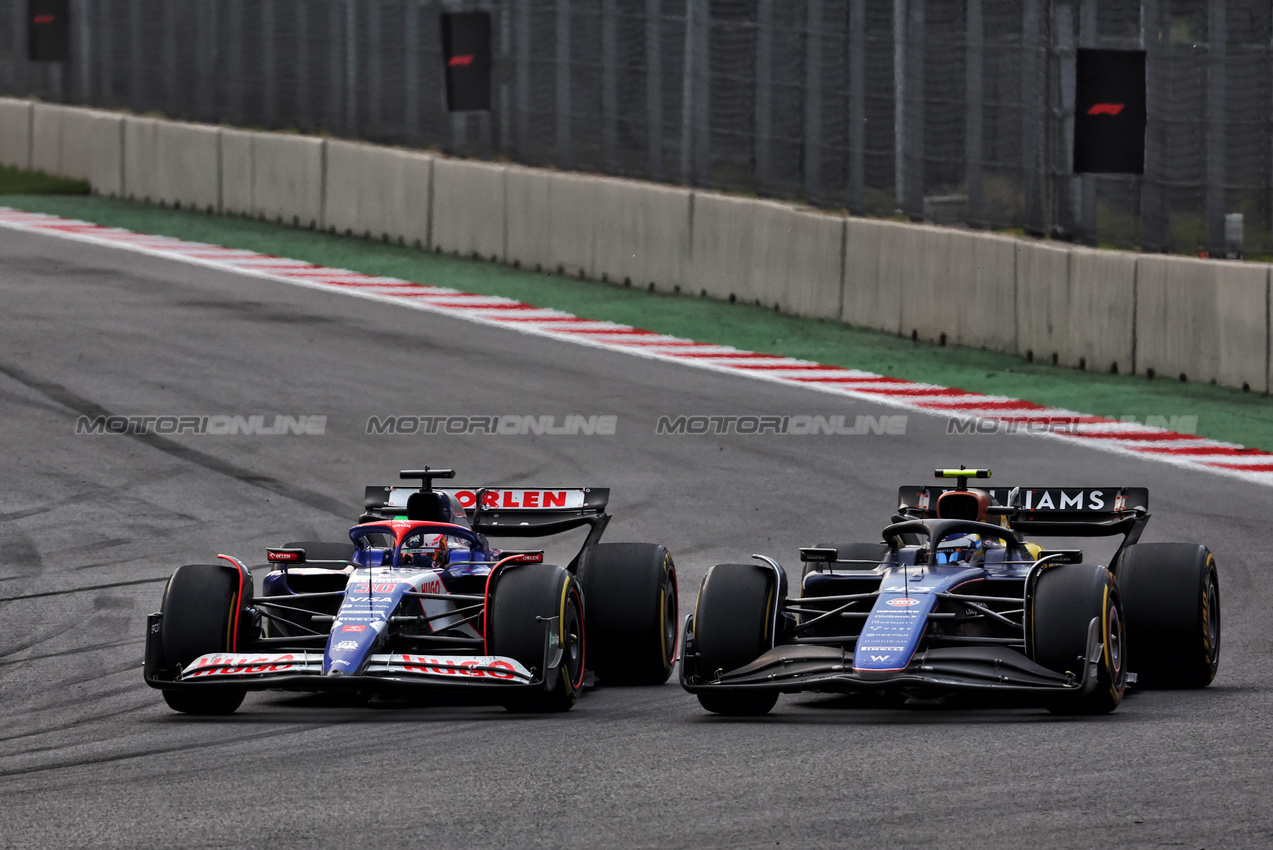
(954, 601)
(420, 601)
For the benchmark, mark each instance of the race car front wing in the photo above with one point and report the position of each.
(792, 668)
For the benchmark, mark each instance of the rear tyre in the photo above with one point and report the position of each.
(526, 598)
(1171, 598)
(733, 625)
(1065, 600)
(632, 611)
(316, 550)
(202, 607)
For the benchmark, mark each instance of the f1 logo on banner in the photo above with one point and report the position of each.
(1109, 112)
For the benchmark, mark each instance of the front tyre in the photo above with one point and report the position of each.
(734, 624)
(536, 610)
(633, 614)
(1064, 601)
(1171, 597)
(202, 613)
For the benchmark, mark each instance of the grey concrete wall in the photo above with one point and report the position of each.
(379, 193)
(1098, 310)
(1076, 304)
(766, 253)
(15, 132)
(1205, 320)
(468, 209)
(287, 179)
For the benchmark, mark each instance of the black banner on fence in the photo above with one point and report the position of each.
(1109, 112)
(466, 49)
(48, 31)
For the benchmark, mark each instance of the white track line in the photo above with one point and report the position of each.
(1145, 442)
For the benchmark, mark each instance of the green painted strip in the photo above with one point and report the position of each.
(1221, 413)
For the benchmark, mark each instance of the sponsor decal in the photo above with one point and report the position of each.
(1065, 500)
(241, 665)
(354, 629)
(522, 499)
(388, 587)
(345, 645)
(1105, 109)
(904, 602)
(469, 667)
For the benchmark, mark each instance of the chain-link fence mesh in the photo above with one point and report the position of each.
(957, 111)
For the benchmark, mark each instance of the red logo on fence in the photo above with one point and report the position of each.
(1106, 109)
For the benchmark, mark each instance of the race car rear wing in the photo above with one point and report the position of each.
(505, 511)
(1049, 511)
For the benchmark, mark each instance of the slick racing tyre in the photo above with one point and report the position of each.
(524, 600)
(734, 622)
(632, 614)
(316, 550)
(1064, 601)
(1171, 598)
(201, 608)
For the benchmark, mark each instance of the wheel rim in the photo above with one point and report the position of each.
(1114, 645)
(671, 620)
(1213, 624)
(572, 633)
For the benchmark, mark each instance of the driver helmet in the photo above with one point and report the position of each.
(423, 548)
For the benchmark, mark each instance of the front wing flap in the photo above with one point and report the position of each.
(796, 668)
(304, 671)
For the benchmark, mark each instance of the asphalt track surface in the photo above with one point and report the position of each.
(91, 757)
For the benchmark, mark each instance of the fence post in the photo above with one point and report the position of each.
(411, 74)
(83, 51)
(1033, 111)
(351, 68)
(764, 92)
(1152, 215)
(303, 116)
(908, 83)
(136, 80)
(1217, 36)
(563, 84)
(609, 87)
(521, 85)
(1087, 182)
(236, 82)
(813, 103)
(687, 98)
(105, 58)
(654, 88)
(974, 40)
(269, 65)
(857, 106)
(372, 13)
(702, 94)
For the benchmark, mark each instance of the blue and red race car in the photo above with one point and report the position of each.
(955, 600)
(420, 601)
